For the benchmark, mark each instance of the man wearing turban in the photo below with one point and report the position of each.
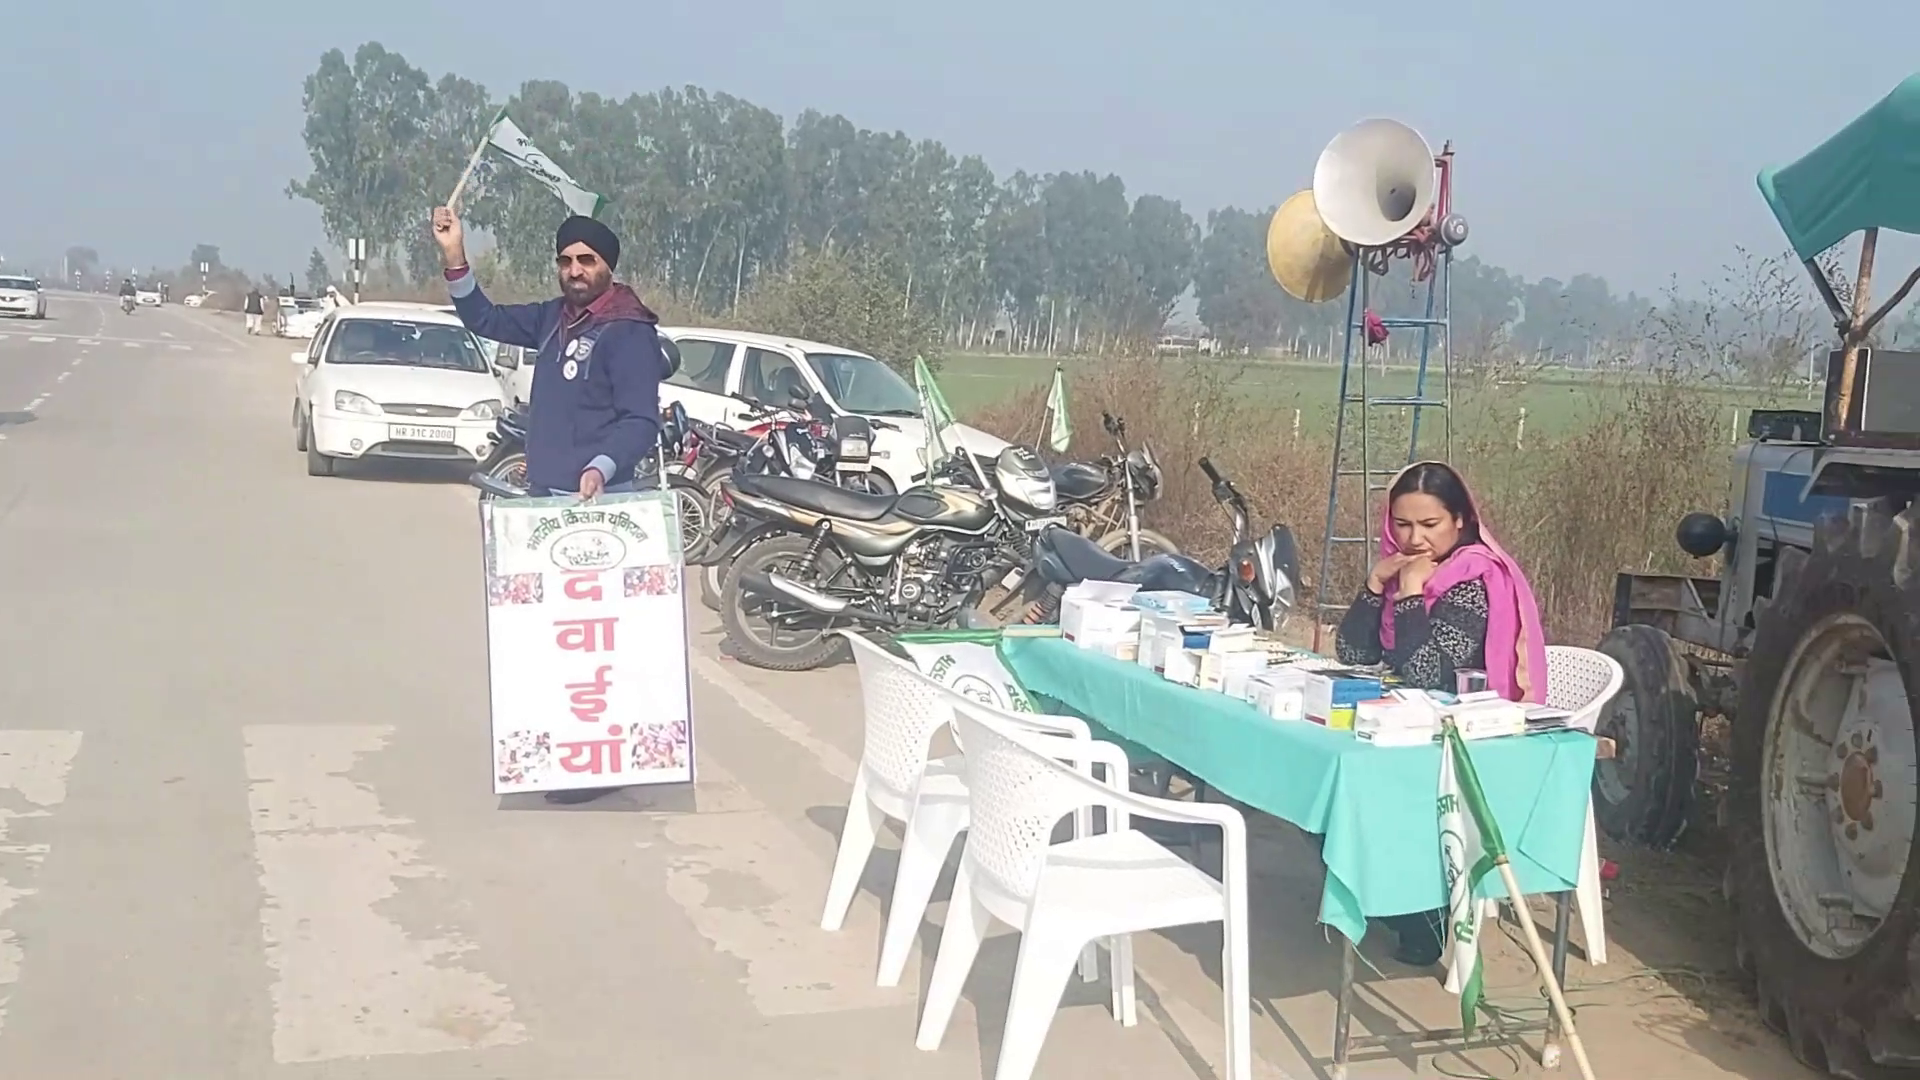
(596, 379)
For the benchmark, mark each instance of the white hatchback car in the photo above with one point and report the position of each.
(394, 381)
(23, 297)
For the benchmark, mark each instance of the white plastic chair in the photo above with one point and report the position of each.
(1063, 897)
(896, 780)
(1583, 681)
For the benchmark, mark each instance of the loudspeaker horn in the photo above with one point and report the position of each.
(1374, 182)
(1307, 259)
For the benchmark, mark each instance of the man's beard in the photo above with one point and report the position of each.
(582, 293)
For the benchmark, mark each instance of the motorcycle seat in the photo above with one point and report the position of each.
(815, 495)
(736, 440)
(1086, 560)
(1078, 481)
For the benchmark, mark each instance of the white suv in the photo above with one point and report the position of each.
(22, 297)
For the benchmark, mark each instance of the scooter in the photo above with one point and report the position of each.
(127, 304)
(1257, 585)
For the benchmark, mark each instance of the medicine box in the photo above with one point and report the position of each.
(1097, 608)
(1183, 666)
(1171, 602)
(1331, 696)
(1278, 692)
(1227, 672)
(1163, 632)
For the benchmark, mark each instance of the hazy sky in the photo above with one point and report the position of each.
(1620, 138)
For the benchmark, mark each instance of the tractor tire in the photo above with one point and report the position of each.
(1823, 744)
(1644, 795)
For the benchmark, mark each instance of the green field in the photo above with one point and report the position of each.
(1554, 400)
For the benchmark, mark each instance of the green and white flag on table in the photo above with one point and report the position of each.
(935, 412)
(1062, 433)
(1470, 846)
(506, 137)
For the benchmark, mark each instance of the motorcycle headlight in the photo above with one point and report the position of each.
(482, 410)
(348, 401)
(1035, 492)
(854, 448)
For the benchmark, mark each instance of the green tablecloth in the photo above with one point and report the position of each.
(1375, 806)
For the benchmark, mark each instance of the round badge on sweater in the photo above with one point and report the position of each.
(570, 368)
(573, 347)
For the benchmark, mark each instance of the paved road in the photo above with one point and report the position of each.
(245, 825)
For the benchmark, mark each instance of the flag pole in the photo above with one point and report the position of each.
(453, 200)
(1539, 953)
(1470, 781)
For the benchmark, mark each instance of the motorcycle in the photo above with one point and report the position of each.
(810, 556)
(1103, 499)
(1257, 585)
(809, 445)
(127, 304)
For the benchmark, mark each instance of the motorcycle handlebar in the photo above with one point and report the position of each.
(1213, 474)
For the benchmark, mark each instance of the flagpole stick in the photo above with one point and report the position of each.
(453, 200)
(1539, 954)
(1469, 783)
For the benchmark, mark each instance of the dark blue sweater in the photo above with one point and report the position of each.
(596, 382)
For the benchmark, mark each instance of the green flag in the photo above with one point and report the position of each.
(1062, 433)
(1470, 844)
(933, 410)
(506, 137)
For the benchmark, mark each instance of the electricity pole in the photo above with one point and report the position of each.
(357, 255)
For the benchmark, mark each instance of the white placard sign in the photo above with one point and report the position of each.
(586, 643)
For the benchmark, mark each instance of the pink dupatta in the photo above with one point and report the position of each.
(1516, 646)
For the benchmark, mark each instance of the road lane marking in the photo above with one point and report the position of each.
(129, 344)
(830, 757)
(62, 377)
(181, 348)
(348, 980)
(41, 339)
(165, 333)
(88, 341)
(33, 783)
(36, 402)
(753, 890)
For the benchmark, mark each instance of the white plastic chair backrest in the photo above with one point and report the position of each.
(1038, 723)
(1017, 795)
(1581, 681)
(904, 709)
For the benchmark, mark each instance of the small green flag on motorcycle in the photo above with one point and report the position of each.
(933, 410)
(1062, 433)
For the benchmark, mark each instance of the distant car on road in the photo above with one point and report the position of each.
(147, 297)
(300, 316)
(196, 299)
(394, 381)
(22, 297)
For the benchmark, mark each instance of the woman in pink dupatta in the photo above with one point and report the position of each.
(1444, 597)
(1474, 608)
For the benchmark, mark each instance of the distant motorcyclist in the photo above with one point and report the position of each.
(126, 287)
(129, 296)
